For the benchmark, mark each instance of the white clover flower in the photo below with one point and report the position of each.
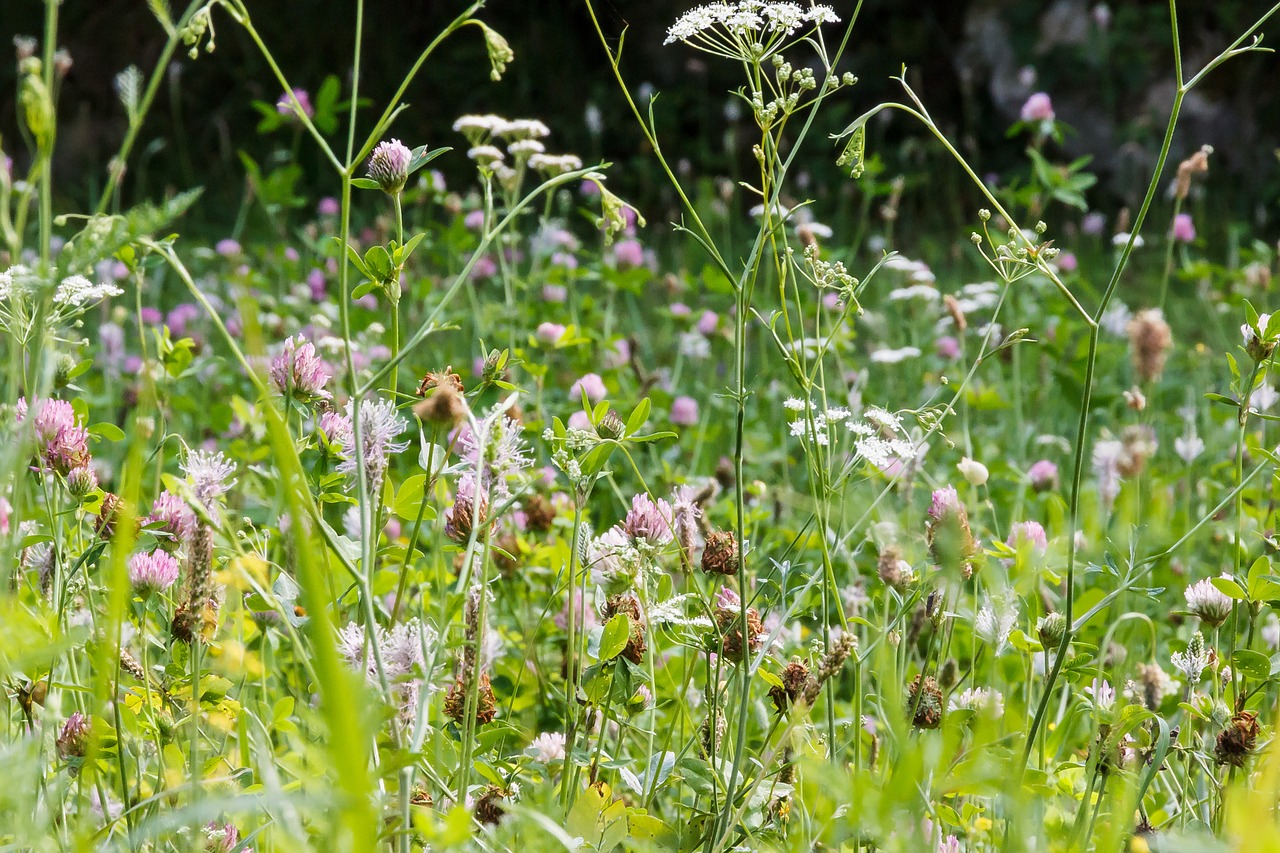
(1193, 661)
(548, 747)
(982, 700)
(996, 621)
(1208, 602)
(1188, 447)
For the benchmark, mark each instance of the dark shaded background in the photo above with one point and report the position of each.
(1112, 84)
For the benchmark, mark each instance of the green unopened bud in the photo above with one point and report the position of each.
(500, 52)
(611, 426)
(1052, 629)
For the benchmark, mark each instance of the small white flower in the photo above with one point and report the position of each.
(1208, 602)
(995, 622)
(794, 404)
(1102, 694)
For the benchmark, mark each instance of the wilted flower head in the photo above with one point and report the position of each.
(1208, 602)
(152, 572)
(1149, 341)
(297, 371)
(389, 165)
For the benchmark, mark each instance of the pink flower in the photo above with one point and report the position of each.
(628, 254)
(64, 444)
(554, 293)
(474, 220)
(1093, 223)
(1067, 262)
(484, 268)
(1043, 475)
(1031, 533)
(944, 502)
(684, 411)
(389, 165)
(1038, 108)
(173, 517)
(1184, 230)
(152, 572)
(227, 248)
(592, 384)
(180, 316)
(708, 322)
(579, 421)
(284, 106)
(319, 287)
(298, 372)
(549, 333)
(679, 309)
(948, 347)
(648, 520)
(329, 206)
(831, 301)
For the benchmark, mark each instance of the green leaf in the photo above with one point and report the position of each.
(378, 260)
(358, 262)
(1251, 663)
(365, 184)
(363, 289)
(107, 431)
(638, 416)
(1229, 588)
(617, 633)
(421, 157)
(409, 498)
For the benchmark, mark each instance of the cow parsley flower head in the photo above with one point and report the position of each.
(747, 29)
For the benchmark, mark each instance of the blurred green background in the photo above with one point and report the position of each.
(1107, 69)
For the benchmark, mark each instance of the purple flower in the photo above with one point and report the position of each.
(554, 293)
(947, 347)
(319, 287)
(180, 316)
(227, 247)
(549, 333)
(380, 425)
(64, 444)
(152, 572)
(337, 430)
(174, 517)
(1038, 108)
(592, 384)
(329, 206)
(580, 421)
(284, 106)
(1184, 230)
(299, 372)
(151, 316)
(727, 599)
(944, 502)
(484, 268)
(1043, 475)
(73, 740)
(1067, 262)
(628, 254)
(223, 838)
(684, 411)
(389, 165)
(474, 220)
(649, 520)
(1093, 224)
(1031, 533)
(679, 309)
(708, 322)
(209, 474)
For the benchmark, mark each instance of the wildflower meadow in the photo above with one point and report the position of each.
(449, 496)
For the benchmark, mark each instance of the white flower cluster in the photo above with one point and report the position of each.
(19, 286)
(78, 291)
(879, 437)
(980, 699)
(486, 133)
(746, 17)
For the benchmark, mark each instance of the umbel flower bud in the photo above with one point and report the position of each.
(389, 166)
